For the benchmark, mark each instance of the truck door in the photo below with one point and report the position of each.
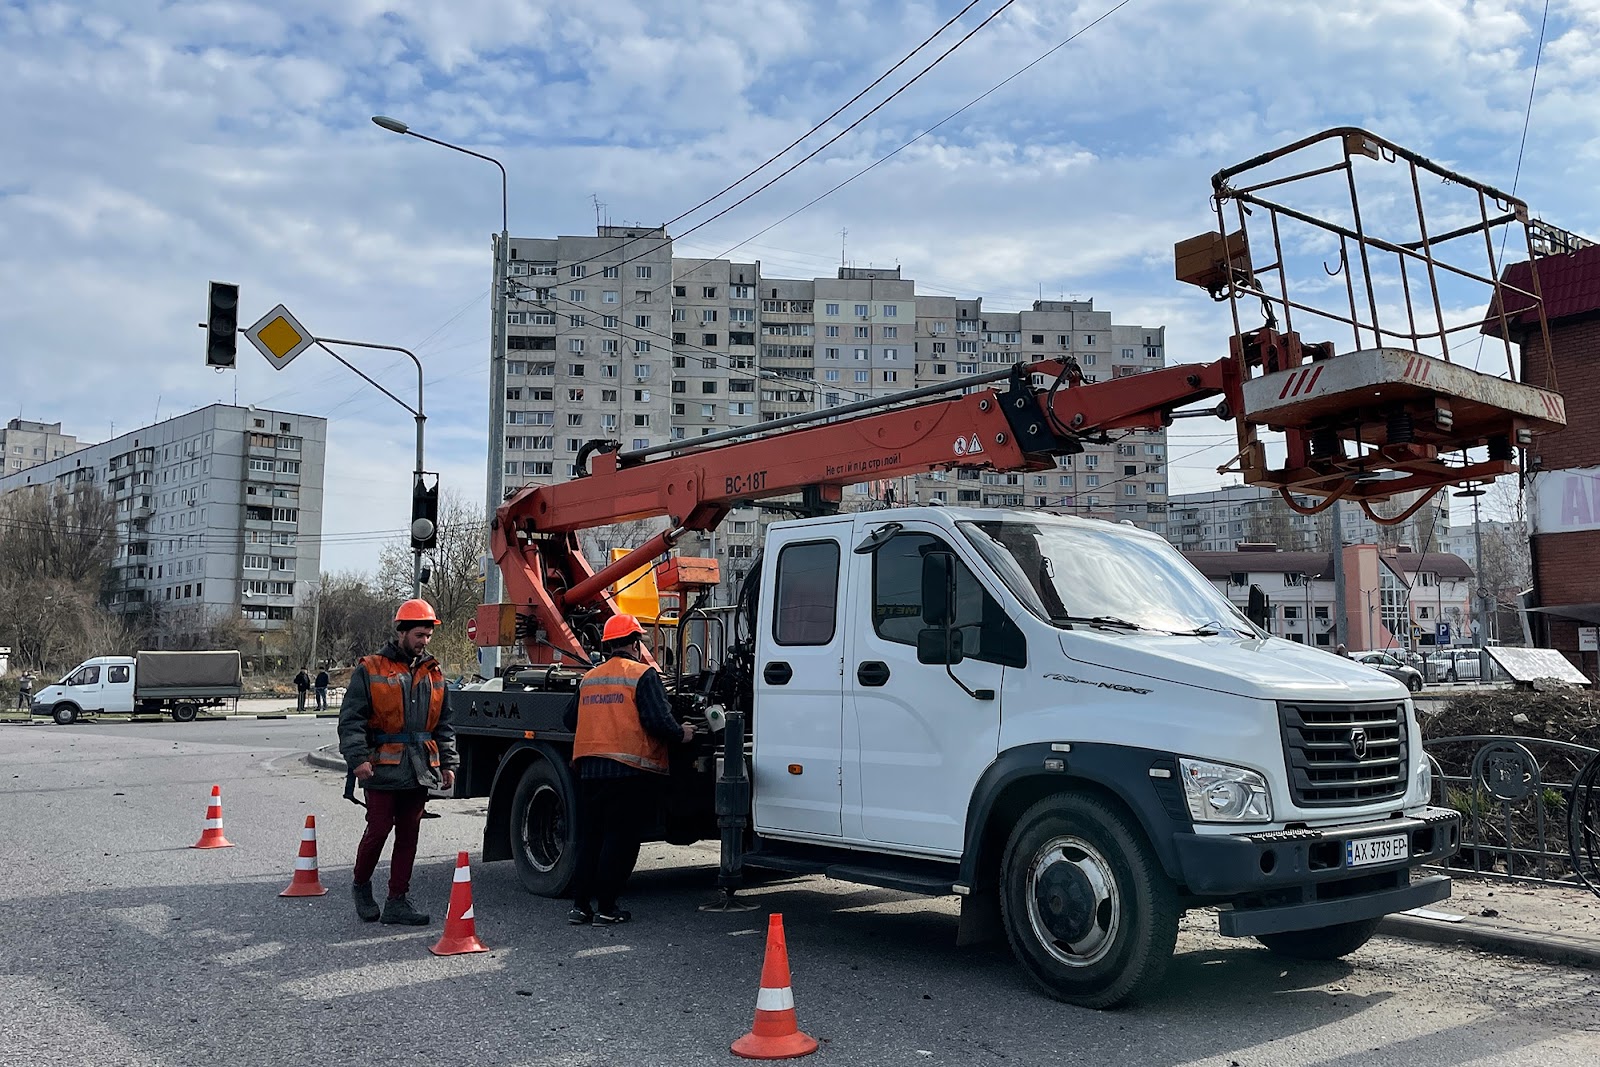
(917, 742)
(799, 689)
(86, 687)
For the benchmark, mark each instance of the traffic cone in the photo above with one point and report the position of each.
(305, 882)
(776, 1034)
(211, 836)
(460, 931)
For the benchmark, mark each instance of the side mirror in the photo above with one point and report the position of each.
(938, 644)
(938, 594)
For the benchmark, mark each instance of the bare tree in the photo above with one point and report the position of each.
(354, 618)
(56, 548)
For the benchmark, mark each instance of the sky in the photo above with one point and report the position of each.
(148, 147)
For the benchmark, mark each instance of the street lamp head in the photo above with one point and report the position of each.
(392, 125)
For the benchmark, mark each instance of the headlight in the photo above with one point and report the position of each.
(1425, 780)
(1217, 792)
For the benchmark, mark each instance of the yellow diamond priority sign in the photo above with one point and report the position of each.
(280, 337)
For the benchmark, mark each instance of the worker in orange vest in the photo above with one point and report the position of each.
(396, 737)
(623, 724)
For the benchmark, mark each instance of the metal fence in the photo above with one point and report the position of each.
(1530, 807)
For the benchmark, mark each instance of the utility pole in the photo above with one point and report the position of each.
(495, 488)
(1341, 618)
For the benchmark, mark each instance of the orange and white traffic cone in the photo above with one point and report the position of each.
(211, 836)
(776, 1034)
(305, 882)
(460, 931)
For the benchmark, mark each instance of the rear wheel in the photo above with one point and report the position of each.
(543, 842)
(65, 714)
(1325, 943)
(182, 713)
(1450, 677)
(1087, 908)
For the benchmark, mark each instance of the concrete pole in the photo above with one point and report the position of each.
(495, 489)
(1341, 623)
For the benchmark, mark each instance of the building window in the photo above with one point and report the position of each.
(578, 296)
(863, 311)
(642, 270)
(609, 272)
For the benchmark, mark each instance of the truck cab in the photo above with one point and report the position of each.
(1068, 719)
(103, 684)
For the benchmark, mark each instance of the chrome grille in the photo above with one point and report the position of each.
(1344, 753)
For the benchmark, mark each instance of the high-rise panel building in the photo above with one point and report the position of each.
(25, 443)
(218, 512)
(613, 337)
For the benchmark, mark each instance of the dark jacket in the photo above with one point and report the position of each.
(357, 743)
(322, 679)
(302, 681)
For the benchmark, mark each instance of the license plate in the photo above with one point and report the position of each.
(1365, 851)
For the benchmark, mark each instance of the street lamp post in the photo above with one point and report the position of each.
(1310, 641)
(495, 489)
(416, 412)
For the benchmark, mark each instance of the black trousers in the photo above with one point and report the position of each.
(611, 818)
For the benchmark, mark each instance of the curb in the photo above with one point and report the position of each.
(1545, 947)
(326, 759)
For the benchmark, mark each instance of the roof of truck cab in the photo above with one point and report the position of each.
(936, 512)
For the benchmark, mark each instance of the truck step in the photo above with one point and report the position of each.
(905, 875)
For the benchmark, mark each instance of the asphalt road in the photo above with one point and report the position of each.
(121, 945)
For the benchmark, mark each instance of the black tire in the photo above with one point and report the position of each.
(1450, 677)
(1326, 943)
(65, 713)
(1075, 866)
(1414, 683)
(543, 831)
(183, 713)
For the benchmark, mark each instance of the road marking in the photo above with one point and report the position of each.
(381, 940)
(741, 933)
(377, 977)
(152, 919)
(249, 954)
(606, 951)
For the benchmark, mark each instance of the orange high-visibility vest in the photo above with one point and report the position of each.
(608, 718)
(388, 682)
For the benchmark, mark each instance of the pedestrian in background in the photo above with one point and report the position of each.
(396, 737)
(623, 724)
(322, 689)
(302, 685)
(25, 691)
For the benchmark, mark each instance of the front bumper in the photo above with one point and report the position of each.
(1296, 879)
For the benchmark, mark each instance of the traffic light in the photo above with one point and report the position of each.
(222, 325)
(424, 512)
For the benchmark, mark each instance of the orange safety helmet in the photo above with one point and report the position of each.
(620, 627)
(415, 611)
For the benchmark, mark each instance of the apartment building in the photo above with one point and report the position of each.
(25, 443)
(1221, 519)
(219, 512)
(612, 337)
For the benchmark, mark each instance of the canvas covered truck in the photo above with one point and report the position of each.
(1056, 719)
(181, 684)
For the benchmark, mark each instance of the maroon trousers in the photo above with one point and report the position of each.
(400, 811)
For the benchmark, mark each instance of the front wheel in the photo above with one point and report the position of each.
(1414, 683)
(1325, 943)
(1451, 677)
(65, 714)
(1087, 908)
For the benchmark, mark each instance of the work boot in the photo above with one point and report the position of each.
(398, 911)
(580, 916)
(366, 907)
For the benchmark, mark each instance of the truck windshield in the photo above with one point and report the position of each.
(1075, 574)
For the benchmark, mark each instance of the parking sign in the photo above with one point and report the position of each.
(1441, 634)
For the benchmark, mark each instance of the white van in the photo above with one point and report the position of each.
(179, 683)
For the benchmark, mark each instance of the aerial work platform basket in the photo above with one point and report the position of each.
(1409, 273)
